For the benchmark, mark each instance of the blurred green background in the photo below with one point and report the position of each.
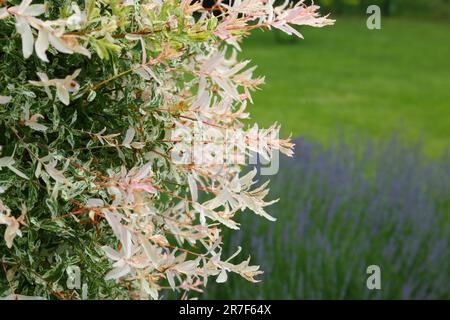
(347, 77)
(358, 191)
(429, 9)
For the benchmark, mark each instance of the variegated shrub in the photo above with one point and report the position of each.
(112, 114)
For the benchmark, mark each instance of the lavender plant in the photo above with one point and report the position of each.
(348, 207)
(101, 103)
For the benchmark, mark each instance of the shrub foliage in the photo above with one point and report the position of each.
(99, 103)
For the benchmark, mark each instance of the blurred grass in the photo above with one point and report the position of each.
(366, 83)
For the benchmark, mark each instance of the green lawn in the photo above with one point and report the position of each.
(348, 78)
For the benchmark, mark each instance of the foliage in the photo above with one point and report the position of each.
(96, 99)
(351, 206)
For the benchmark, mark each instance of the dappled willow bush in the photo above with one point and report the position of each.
(100, 102)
